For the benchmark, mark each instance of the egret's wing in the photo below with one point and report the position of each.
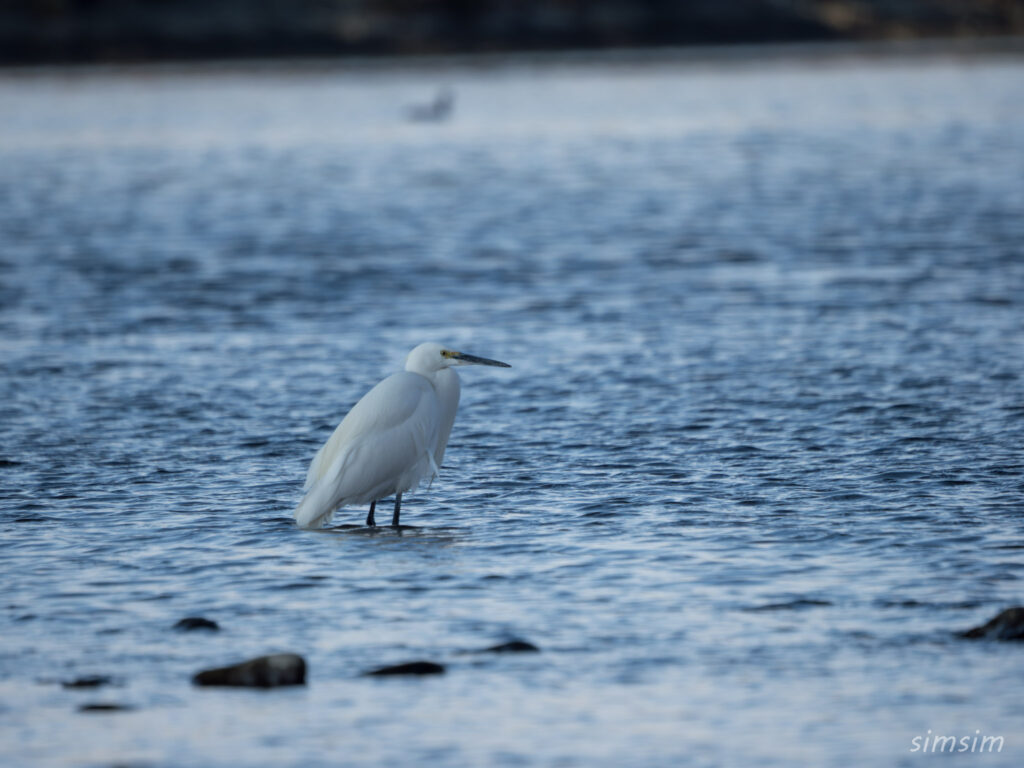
(389, 460)
(389, 404)
(384, 445)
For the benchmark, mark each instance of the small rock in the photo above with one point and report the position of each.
(513, 646)
(88, 681)
(1008, 625)
(263, 672)
(790, 605)
(105, 706)
(196, 622)
(409, 668)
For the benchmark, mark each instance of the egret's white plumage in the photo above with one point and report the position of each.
(393, 439)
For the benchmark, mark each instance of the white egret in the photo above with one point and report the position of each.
(391, 440)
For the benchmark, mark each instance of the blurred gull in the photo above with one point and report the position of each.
(435, 111)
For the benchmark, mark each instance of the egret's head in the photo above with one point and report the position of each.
(431, 357)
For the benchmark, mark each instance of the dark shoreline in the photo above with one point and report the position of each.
(34, 32)
(761, 54)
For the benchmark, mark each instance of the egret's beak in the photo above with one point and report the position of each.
(474, 360)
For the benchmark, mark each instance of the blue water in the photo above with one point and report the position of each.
(759, 456)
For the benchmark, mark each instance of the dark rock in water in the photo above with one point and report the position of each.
(513, 646)
(790, 605)
(88, 681)
(104, 706)
(262, 672)
(196, 622)
(1008, 625)
(410, 668)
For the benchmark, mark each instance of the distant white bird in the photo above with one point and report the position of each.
(391, 440)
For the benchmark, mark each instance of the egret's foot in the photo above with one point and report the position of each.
(369, 518)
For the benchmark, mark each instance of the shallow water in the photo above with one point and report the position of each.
(759, 456)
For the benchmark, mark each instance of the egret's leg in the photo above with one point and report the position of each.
(398, 508)
(369, 518)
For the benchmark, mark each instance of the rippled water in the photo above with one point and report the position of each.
(759, 456)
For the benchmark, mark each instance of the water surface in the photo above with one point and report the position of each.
(758, 458)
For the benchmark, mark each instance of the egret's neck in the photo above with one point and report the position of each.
(445, 382)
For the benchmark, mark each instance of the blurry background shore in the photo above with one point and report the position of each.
(63, 31)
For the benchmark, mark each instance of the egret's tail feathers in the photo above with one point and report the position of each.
(434, 470)
(316, 508)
